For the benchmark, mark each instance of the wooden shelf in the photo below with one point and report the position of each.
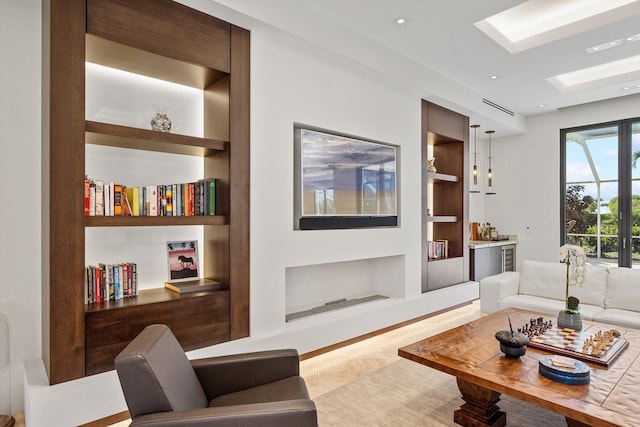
(152, 221)
(433, 177)
(146, 296)
(142, 139)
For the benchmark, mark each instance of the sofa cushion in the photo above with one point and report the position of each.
(533, 303)
(548, 306)
(543, 279)
(615, 316)
(594, 288)
(623, 288)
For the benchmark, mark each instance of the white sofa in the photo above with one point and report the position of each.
(609, 294)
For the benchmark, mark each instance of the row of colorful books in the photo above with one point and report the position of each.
(106, 282)
(438, 249)
(186, 199)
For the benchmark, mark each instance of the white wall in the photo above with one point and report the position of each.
(527, 175)
(20, 259)
(294, 87)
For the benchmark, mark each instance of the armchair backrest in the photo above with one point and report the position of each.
(156, 375)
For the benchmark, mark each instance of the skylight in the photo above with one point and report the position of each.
(611, 73)
(537, 22)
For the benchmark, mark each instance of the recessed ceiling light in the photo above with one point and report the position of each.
(608, 74)
(613, 43)
(542, 105)
(537, 22)
(401, 21)
(494, 77)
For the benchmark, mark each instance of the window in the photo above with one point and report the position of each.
(600, 191)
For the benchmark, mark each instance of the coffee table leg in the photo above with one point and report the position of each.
(480, 407)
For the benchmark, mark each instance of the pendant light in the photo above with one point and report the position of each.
(490, 173)
(474, 188)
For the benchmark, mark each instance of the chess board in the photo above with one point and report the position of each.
(571, 343)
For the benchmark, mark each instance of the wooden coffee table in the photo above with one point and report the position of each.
(472, 354)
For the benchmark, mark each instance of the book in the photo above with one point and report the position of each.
(107, 199)
(99, 197)
(92, 198)
(133, 197)
(143, 201)
(168, 194)
(126, 206)
(196, 285)
(117, 200)
(152, 200)
(111, 198)
(212, 196)
(87, 196)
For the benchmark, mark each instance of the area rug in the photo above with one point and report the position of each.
(405, 393)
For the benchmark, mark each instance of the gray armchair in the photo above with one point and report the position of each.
(163, 388)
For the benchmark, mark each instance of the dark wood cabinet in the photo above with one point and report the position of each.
(445, 217)
(169, 41)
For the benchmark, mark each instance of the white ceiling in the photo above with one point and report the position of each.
(443, 53)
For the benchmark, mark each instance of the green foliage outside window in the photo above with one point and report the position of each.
(582, 209)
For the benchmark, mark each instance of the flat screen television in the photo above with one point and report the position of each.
(343, 181)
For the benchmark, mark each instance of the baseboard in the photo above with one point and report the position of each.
(354, 340)
(107, 421)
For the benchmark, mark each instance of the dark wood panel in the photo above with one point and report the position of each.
(63, 142)
(196, 322)
(239, 176)
(163, 27)
(445, 122)
(152, 221)
(216, 110)
(449, 158)
(115, 55)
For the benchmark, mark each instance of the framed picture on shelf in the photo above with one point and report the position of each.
(182, 260)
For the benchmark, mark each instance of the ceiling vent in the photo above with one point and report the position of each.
(498, 107)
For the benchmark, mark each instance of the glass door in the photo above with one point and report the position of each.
(601, 191)
(591, 192)
(635, 195)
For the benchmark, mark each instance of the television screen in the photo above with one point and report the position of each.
(343, 181)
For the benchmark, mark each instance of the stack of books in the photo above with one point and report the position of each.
(106, 282)
(438, 249)
(185, 199)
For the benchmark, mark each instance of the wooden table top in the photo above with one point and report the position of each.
(472, 353)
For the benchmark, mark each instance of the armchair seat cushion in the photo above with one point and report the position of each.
(292, 388)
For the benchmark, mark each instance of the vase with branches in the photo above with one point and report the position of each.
(575, 260)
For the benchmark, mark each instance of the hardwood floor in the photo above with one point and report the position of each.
(334, 368)
(330, 370)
